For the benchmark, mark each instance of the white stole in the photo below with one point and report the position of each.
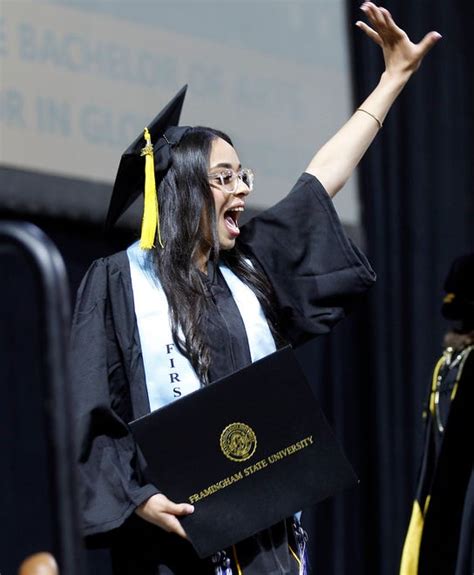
(168, 373)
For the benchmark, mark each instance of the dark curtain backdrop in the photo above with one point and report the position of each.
(371, 374)
(418, 214)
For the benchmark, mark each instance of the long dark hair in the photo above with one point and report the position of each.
(186, 200)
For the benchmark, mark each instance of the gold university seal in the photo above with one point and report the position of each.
(238, 442)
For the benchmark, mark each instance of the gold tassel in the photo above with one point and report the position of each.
(151, 216)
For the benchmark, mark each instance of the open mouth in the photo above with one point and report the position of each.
(231, 218)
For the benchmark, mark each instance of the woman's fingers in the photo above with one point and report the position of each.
(374, 14)
(161, 511)
(170, 512)
(401, 55)
(161, 503)
(372, 34)
(382, 21)
(428, 42)
(384, 24)
(389, 21)
(172, 525)
(178, 508)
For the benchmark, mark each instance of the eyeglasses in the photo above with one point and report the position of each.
(229, 180)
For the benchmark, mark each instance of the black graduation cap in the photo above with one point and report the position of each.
(150, 155)
(458, 303)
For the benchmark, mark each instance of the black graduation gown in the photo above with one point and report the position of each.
(447, 541)
(440, 537)
(316, 273)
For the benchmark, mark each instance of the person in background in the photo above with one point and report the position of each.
(440, 536)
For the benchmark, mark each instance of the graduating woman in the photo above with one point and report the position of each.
(292, 265)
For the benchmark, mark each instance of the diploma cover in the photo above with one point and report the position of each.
(247, 451)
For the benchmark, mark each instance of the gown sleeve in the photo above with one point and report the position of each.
(315, 269)
(105, 355)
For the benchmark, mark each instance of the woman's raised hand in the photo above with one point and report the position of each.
(335, 161)
(159, 510)
(401, 55)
